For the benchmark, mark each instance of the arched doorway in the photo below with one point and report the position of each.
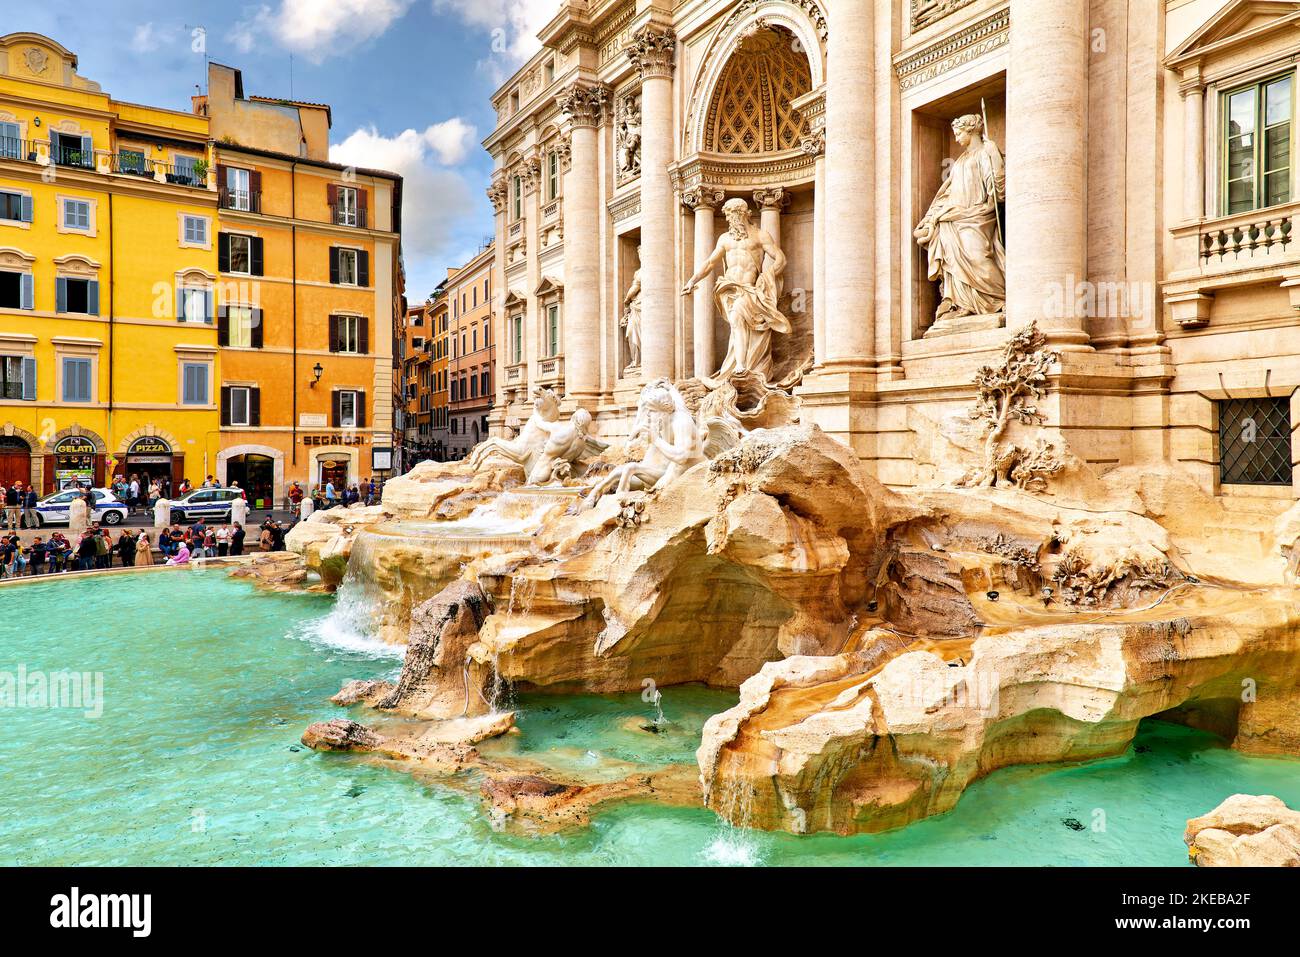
(255, 474)
(15, 460)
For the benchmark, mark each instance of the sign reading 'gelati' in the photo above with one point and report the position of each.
(74, 445)
(149, 445)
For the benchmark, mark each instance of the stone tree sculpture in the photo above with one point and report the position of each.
(1006, 394)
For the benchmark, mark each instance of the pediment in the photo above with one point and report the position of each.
(548, 286)
(1239, 23)
(514, 298)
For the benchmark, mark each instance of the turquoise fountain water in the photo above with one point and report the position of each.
(208, 684)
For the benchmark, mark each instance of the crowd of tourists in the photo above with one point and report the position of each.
(97, 548)
(327, 495)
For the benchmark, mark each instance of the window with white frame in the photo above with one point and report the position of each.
(349, 333)
(194, 230)
(239, 326)
(239, 405)
(194, 305)
(75, 214)
(194, 383)
(517, 338)
(553, 175)
(346, 214)
(347, 409)
(348, 267)
(237, 189)
(241, 254)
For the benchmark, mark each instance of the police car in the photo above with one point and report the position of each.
(53, 509)
(209, 504)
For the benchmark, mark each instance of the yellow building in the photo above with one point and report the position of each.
(108, 270)
(309, 259)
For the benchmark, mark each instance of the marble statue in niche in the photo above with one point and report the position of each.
(746, 294)
(961, 233)
(631, 322)
(628, 138)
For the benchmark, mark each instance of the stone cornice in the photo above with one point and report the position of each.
(741, 173)
(947, 53)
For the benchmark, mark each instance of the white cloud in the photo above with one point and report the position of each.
(438, 203)
(148, 38)
(512, 26)
(451, 139)
(317, 29)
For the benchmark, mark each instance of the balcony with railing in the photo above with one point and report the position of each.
(341, 215)
(12, 148)
(65, 155)
(243, 200)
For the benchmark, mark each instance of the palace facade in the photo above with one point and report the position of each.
(108, 347)
(309, 257)
(936, 174)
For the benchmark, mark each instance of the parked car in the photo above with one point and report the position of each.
(209, 504)
(53, 509)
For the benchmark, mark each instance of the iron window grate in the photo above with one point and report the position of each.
(1255, 441)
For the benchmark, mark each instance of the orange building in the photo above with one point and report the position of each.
(470, 373)
(309, 258)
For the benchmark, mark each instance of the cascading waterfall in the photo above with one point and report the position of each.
(735, 843)
(352, 623)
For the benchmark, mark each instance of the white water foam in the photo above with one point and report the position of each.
(350, 627)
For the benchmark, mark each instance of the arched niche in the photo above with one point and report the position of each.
(775, 47)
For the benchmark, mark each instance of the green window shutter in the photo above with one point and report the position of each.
(60, 295)
(27, 213)
(92, 297)
(27, 291)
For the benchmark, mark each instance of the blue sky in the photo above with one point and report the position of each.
(408, 81)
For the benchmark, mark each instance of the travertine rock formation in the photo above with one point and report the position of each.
(890, 650)
(1245, 831)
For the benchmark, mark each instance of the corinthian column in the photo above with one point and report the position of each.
(497, 195)
(1047, 137)
(653, 52)
(851, 263)
(583, 104)
(703, 200)
(770, 203)
(815, 146)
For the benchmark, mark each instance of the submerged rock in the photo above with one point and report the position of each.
(1245, 831)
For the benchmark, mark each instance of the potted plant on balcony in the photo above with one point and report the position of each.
(200, 176)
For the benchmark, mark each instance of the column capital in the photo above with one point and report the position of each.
(564, 147)
(530, 168)
(814, 144)
(703, 197)
(653, 51)
(774, 198)
(583, 103)
(496, 194)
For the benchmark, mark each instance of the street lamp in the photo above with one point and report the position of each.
(317, 371)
